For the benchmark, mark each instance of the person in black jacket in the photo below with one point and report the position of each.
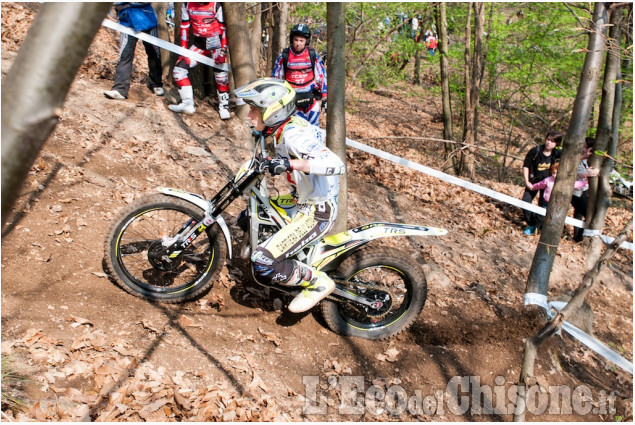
(536, 167)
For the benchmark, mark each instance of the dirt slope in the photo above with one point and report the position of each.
(93, 351)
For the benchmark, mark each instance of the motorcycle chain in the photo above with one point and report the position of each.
(358, 306)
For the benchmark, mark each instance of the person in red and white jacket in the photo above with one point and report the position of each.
(302, 67)
(209, 39)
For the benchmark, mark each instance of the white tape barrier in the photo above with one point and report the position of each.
(165, 45)
(470, 186)
(590, 341)
(532, 298)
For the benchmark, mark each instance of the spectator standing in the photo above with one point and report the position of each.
(139, 17)
(414, 27)
(580, 198)
(536, 166)
(209, 39)
(303, 68)
(431, 45)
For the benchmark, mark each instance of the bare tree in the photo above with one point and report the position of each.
(472, 71)
(538, 280)
(36, 86)
(442, 25)
(161, 10)
(336, 120)
(267, 19)
(256, 36)
(279, 39)
(549, 329)
(599, 189)
(239, 47)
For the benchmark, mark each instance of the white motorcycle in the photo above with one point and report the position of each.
(166, 247)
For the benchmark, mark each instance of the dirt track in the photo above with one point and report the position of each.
(109, 355)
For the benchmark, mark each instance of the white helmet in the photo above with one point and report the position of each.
(275, 99)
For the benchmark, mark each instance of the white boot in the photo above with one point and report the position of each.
(223, 105)
(187, 101)
(312, 293)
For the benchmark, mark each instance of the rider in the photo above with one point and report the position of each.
(210, 39)
(301, 66)
(312, 170)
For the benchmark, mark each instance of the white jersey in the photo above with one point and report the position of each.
(298, 139)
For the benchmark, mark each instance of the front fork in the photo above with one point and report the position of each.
(192, 229)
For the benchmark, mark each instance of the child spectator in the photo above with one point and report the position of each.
(547, 184)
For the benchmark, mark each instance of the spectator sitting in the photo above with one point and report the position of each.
(536, 167)
(546, 184)
(139, 17)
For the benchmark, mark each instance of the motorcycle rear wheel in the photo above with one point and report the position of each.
(379, 267)
(133, 251)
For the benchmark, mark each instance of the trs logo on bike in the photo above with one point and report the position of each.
(392, 230)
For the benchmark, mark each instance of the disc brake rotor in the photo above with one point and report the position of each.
(377, 311)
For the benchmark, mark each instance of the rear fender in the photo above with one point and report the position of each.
(202, 204)
(334, 246)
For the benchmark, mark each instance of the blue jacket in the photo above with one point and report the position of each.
(138, 16)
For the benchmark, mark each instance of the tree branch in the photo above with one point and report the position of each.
(577, 18)
(532, 344)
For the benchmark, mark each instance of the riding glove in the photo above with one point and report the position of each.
(276, 166)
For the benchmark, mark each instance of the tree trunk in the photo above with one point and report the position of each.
(532, 344)
(599, 189)
(416, 80)
(336, 115)
(161, 9)
(538, 280)
(36, 86)
(239, 48)
(177, 31)
(477, 61)
(256, 37)
(450, 162)
(279, 40)
(419, 50)
(269, 54)
(467, 160)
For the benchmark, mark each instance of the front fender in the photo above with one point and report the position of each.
(201, 203)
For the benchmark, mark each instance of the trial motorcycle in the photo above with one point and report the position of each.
(167, 247)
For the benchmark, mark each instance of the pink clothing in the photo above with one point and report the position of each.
(547, 185)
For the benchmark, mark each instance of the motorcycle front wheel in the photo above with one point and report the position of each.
(135, 253)
(389, 277)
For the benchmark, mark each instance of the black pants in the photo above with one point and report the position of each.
(579, 211)
(126, 56)
(532, 218)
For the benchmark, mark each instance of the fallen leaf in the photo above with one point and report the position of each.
(188, 322)
(78, 321)
(391, 354)
(121, 349)
(149, 326)
(270, 337)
